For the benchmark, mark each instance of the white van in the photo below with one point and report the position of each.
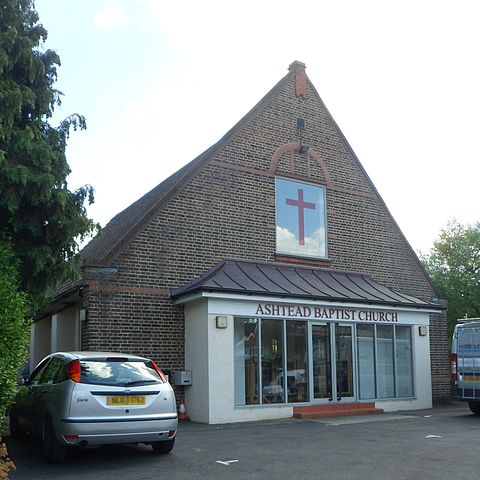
(465, 363)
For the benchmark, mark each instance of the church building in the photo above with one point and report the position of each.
(267, 276)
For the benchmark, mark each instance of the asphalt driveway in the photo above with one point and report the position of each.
(441, 443)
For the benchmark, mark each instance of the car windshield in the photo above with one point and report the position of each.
(118, 372)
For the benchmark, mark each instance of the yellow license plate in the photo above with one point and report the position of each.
(471, 378)
(124, 400)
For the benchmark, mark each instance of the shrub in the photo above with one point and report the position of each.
(14, 329)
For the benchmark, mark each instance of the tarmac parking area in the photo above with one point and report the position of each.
(440, 443)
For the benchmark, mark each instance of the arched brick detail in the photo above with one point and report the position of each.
(295, 147)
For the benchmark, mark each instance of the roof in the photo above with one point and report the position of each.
(253, 278)
(121, 228)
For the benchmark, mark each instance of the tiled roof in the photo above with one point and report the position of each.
(253, 278)
(123, 226)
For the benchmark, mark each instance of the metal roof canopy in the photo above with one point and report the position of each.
(256, 278)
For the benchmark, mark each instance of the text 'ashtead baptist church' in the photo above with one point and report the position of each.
(267, 275)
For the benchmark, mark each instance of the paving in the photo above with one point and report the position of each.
(439, 443)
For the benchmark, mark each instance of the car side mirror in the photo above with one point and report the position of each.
(25, 382)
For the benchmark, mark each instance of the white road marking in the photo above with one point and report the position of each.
(227, 462)
(433, 436)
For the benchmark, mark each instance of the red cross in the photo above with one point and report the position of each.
(301, 218)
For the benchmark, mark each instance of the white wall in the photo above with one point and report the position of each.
(65, 330)
(196, 360)
(40, 341)
(60, 332)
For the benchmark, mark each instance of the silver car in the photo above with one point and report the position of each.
(93, 398)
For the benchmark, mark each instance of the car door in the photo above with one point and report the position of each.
(28, 409)
(52, 391)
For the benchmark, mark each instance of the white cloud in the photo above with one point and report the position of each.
(314, 246)
(110, 19)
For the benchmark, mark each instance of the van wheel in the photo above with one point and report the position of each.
(163, 447)
(474, 407)
(52, 451)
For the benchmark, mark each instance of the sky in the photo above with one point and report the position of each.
(159, 82)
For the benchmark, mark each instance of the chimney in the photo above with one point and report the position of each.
(300, 78)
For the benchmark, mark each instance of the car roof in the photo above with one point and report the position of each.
(83, 355)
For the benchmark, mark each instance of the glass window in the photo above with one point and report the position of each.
(61, 375)
(385, 367)
(36, 375)
(272, 361)
(52, 370)
(246, 361)
(403, 358)
(118, 372)
(297, 372)
(344, 360)
(301, 223)
(366, 360)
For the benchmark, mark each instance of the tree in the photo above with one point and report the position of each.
(454, 265)
(41, 220)
(41, 217)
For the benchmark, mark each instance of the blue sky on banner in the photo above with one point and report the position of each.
(159, 82)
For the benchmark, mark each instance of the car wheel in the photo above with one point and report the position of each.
(52, 451)
(474, 407)
(163, 447)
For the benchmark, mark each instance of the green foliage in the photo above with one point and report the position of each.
(14, 328)
(454, 265)
(41, 216)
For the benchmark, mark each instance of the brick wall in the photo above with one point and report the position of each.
(228, 211)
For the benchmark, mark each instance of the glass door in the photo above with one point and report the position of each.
(332, 360)
(344, 361)
(321, 362)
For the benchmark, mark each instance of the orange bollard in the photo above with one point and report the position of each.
(182, 414)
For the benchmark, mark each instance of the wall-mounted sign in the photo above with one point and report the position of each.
(325, 313)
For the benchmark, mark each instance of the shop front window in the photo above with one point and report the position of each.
(283, 347)
(246, 361)
(272, 362)
(385, 361)
(366, 360)
(403, 357)
(297, 372)
(385, 367)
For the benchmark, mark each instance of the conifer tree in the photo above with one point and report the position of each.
(39, 216)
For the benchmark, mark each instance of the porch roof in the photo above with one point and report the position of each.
(269, 279)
